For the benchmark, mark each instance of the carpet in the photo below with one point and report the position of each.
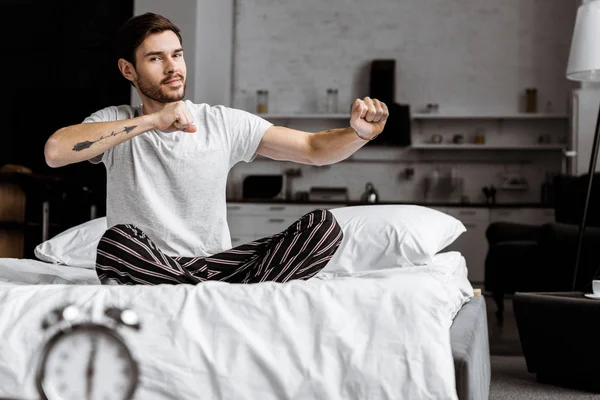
(504, 338)
(511, 381)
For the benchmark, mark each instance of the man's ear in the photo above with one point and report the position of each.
(127, 70)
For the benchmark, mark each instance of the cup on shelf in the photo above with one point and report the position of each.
(458, 139)
(432, 108)
(544, 139)
(479, 136)
(596, 287)
(436, 139)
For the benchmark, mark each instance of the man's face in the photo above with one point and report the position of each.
(160, 68)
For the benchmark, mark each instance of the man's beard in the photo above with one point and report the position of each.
(157, 93)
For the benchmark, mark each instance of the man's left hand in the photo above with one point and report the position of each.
(368, 117)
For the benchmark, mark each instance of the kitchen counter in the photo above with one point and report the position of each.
(425, 204)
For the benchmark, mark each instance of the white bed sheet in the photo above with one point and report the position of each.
(34, 272)
(372, 335)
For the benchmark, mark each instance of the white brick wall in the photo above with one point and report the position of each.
(461, 54)
(466, 55)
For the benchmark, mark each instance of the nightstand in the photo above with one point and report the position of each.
(19, 189)
(12, 218)
(560, 336)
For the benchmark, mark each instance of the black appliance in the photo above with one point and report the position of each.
(397, 128)
(262, 187)
(382, 86)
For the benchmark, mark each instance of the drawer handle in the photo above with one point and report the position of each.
(235, 239)
(467, 212)
(276, 220)
(234, 207)
(504, 213)
(277, 208)
(470, 226)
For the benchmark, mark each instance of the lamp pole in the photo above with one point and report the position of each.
(584, 66)
(592, 170)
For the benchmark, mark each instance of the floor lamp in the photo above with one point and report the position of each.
(584, 66)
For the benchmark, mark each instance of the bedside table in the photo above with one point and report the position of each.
(560, 337)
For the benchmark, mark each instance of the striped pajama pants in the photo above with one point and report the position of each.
(125, 255)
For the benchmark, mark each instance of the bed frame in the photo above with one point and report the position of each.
(471, 351)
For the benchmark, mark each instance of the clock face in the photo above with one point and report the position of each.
(89, 362)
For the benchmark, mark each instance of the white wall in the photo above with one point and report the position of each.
(207, 32)
(461, 54)
(214, 51)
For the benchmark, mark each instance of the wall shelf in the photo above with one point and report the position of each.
(423, 116)
(304, 116)
(419, 116)
(428, 146)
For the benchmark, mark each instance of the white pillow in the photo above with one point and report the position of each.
(75, 247)
(387, 236)
(375, 237)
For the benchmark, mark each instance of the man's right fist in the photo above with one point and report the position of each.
(174, 117)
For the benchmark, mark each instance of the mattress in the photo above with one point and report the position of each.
(381, 334)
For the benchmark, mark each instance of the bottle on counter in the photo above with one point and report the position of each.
(370, 195)
(547, 190)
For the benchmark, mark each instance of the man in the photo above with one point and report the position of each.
(167, 163)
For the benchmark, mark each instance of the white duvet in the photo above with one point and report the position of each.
(374, 335)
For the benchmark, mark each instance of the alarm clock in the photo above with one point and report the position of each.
(84, 360)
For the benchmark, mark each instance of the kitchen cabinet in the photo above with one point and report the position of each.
(469, 213)
(532, 216)
(251, 221)
(237, 240)
(472, 244)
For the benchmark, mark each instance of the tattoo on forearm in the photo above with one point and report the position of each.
(87, 144)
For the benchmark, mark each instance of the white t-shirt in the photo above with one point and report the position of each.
(173, 185)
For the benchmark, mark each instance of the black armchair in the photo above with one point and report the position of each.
(529, 258)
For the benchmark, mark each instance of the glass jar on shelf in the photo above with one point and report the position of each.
(531, 100)
(332, 100)
(262, 101)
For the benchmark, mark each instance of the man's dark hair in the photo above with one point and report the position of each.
(131, 35)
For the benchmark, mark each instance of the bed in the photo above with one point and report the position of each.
(391, 316)
(337, 336)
